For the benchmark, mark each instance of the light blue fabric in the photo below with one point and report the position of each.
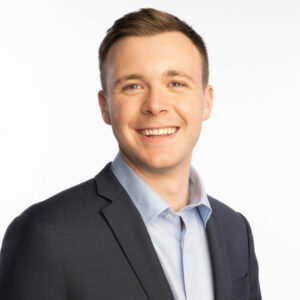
(183, 254)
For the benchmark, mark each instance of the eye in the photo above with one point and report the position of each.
(131, 86)
(177, 84)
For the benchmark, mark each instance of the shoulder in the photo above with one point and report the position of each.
(225, 213)
(65, 210)
(73, 197)
(234, 225)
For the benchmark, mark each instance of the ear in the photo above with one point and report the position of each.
(102, 100)
(208, 102)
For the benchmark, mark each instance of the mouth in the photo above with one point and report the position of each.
(161, 132)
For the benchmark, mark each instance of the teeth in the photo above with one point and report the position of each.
(157, 132)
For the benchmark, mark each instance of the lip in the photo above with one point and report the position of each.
(158, 127)
(158, 138)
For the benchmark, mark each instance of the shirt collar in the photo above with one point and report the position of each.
(198, 197)
(148, 202)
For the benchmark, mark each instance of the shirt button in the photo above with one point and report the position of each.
(169, 216)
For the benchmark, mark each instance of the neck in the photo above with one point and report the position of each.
(172, 184)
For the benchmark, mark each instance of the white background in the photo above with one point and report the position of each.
(53, 137)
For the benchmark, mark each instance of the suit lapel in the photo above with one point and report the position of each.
(132, 235)
(218, 251)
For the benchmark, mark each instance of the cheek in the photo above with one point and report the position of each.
(122, 114)
(191, 110)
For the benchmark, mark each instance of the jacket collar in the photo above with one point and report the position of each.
(132, 235)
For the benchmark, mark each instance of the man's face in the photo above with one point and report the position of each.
(155, 101)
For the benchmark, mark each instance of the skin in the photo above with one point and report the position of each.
(156, 82)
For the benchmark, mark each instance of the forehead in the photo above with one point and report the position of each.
(153, 55)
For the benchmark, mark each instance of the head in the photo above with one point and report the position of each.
(154, 75)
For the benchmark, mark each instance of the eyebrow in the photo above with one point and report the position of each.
(128, 77)
(168, 73)
(173, 73)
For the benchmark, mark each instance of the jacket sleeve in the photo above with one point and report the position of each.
(29, 265)
(254, 292)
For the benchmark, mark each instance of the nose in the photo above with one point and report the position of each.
(155, 102)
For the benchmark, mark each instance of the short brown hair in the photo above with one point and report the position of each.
(148, 22)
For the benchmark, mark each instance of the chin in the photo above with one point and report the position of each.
(155, 161)
(159, 162)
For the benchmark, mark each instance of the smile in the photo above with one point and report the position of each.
(158, 131)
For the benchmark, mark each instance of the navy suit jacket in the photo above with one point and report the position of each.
(89, 242)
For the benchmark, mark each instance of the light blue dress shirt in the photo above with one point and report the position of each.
(183, 254)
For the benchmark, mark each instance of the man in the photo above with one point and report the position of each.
(144, 227)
